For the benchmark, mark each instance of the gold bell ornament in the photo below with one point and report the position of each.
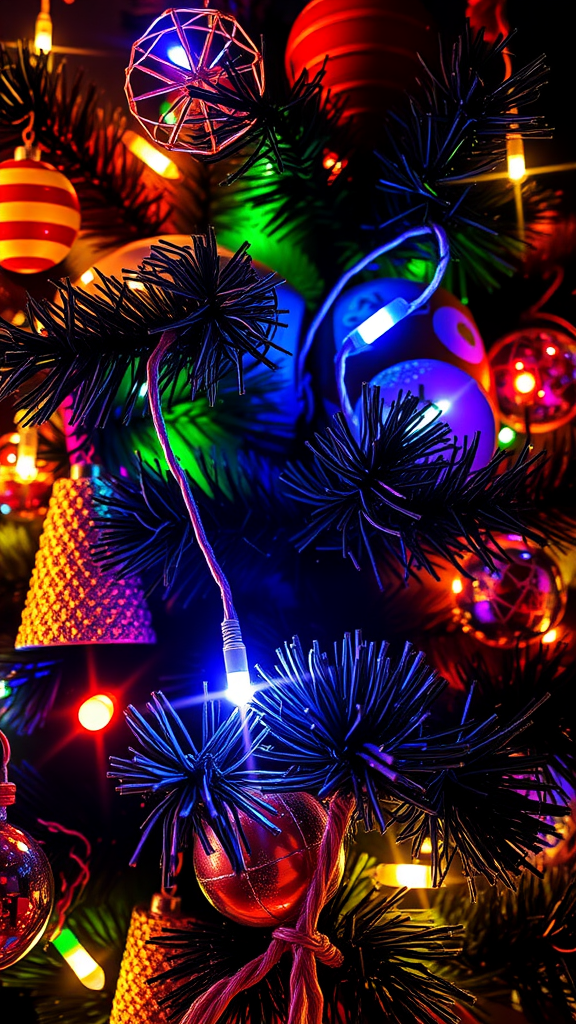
(71, 600)
(135, 1001)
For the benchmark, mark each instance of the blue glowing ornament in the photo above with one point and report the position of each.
(456, 396)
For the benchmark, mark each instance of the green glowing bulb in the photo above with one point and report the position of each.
(506, 436)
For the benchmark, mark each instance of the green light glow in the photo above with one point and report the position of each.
(5, 690)
(506, 436)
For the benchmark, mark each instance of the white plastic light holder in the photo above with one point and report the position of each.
(381, 321)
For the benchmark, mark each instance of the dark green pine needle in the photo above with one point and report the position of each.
(404, 494)
(192, 787)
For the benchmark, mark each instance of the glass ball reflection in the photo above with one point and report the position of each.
(535, 377)
(522, 599)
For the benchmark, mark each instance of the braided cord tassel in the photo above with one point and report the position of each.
(306, 943)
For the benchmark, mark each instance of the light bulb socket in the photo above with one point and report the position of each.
(163, 905)
(234, 648)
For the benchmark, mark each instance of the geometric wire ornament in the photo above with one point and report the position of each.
(178, 72)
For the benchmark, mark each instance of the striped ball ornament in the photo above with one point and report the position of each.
(39, 216)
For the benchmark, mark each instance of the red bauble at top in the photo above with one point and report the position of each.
(269, 891)
(535, 378)
(373, 48)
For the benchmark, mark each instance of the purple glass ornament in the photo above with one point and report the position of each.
(459, 398)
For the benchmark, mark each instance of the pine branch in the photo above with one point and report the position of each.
(30, 688)
(494, 809)
(521, 676)
(144, 528)
(455, 132)
(354, 723)
(520, 943)
(87, 346)
(193, 786)
(84, 141)
(387, 977)
(406, 494)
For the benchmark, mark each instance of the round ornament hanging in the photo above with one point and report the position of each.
(520, 600)
(39, 215)
(180, 70)
(26, 882)
(372, 51)
(454, 396)
(535, 378)
(270, 889)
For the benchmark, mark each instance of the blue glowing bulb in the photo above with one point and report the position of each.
(177, 54)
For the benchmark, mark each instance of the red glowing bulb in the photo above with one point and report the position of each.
(96, 712)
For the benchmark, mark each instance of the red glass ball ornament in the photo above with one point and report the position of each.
(271, 888)
(26, 893)
(39, 216)
(193, 48)
(372, 49)
(535, 377)
(521, 600)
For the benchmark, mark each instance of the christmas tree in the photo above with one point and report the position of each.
(286, 345)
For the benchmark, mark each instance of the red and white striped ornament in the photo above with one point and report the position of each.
(39, 216)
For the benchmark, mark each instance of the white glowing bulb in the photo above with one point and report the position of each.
(381, 321)
(87, 277)
(25, 468)
(240, 690)
(177, 54)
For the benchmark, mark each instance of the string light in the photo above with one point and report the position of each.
(525, 382)
(506, 436)
(240, 690)
(457, 586)
(87, 277)
(26, 469)
(96, 712)
(152, 157)
(411, 876)
(79, 960)
(516, 158)
(43, 29)
(550, 636)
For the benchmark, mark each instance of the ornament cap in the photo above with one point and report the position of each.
(85, 471)
(163, 905)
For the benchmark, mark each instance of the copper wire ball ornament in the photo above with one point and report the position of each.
(194, 50)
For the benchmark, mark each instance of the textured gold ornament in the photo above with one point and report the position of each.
(135, 1002)
(70, 600)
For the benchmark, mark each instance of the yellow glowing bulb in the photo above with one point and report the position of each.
(525, 383)
(412, 876)
(426, 846)
(26, 469)
(87, 277)
(43, 32)
(79, 960)
(550, 636)
(96, 712)
(457, 586)
(136, 286)
(550, 351)
(519, 365)
(11, 457)
(19, 318)
(516, 159)
(152, 157)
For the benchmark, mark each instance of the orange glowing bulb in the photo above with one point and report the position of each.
(550, 636)
(457, 586)
(96, 712)
(525, 383)
(550, 351)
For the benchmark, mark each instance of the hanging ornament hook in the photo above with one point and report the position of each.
(28, 151)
